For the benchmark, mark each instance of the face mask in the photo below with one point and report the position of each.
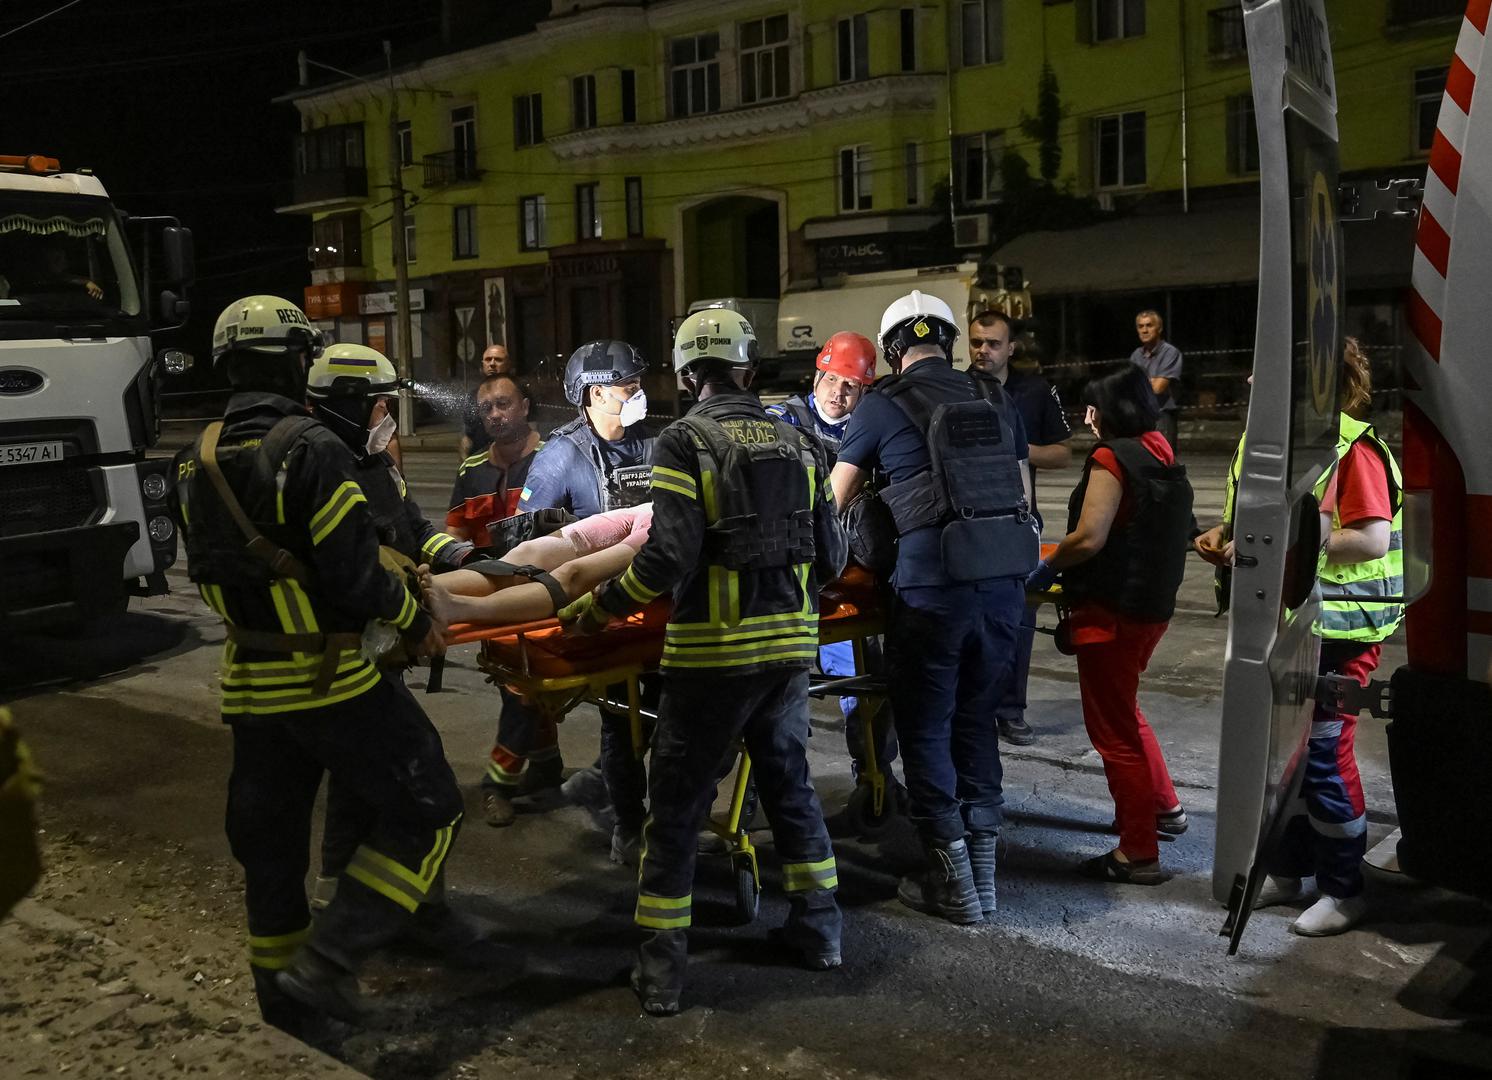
(825, 417)
(379, 436)
(634, 408)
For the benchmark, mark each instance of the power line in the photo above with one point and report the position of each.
(40, 18)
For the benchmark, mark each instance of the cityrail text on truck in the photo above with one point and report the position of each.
(83, 520)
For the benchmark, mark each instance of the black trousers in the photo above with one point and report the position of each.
(699, 718)
(623, 770)
(383, 752)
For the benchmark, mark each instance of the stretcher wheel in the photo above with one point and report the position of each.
(748, 893)
(860, 811)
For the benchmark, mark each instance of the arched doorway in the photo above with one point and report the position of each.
(732, 246)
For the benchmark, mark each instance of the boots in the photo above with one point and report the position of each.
(946, 887)
(982, 865)
(542, 774)
(460, 940)
(497, 807)
(278, 1008)
(813, 930)
(658, 977)
(320, 984)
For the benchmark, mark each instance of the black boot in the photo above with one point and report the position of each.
(812, 930)
(542, 774)
(279, 1009)
(460, 940)
(982, 865)
(946, 887)
(323, 985)
(658, 977)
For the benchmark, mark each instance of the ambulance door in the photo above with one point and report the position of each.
(1269, 680)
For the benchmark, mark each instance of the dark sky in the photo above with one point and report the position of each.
(169, 102)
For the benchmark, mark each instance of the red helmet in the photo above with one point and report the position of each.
(850, 356)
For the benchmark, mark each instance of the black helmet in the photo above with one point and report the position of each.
(601, 363)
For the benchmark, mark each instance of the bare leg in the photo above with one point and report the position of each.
(525, 601)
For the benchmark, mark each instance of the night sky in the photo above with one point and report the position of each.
(169, 102)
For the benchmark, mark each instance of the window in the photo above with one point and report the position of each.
(583, 102)
(463, 232)
(411, 249)
(587, 212)
(854, 49)
(336, 147)
(694, 74)
(1121, 150)
(1243, 136)
(634, 206)
(406, 144)
(977, 165)
(908, 39)
(1225, 32)
(912, 162)
(1116, 19)
(854, 179)
(337, 241)
(464, 141)
(629, 96)
(533, 224)
(982, 31)
(764, 60)
(528, 120)
(1429, 88)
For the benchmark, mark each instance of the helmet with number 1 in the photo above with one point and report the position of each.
(714, 334)
(265, 342)
(601, 363)
(348, 370)
(916, 319)
(850, 356)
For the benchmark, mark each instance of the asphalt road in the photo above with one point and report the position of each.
(1071, 978)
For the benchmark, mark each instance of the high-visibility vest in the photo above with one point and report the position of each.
(1368, 619)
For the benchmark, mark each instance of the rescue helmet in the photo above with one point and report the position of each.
(348, 370)
(601, 363)
(850, 356)
(266, 325)
(916, 319)
(714, 334)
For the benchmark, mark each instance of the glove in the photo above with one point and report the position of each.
(1041, 579)
(584, 616)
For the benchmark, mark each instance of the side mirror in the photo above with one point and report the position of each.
(175, 362)
(173, 309)
(180, 255)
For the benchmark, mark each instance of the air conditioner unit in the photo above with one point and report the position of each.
(1105, 200)
(970, 230)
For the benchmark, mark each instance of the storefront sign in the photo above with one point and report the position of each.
(865, 254)
(331, 300)
(585, 266)
(382, 303)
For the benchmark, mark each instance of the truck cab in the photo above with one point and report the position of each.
(83, 519)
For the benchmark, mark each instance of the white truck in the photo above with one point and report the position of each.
(83, 518)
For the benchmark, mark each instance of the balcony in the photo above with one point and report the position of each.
(451, 167)
(1404, 12)
(327, 189)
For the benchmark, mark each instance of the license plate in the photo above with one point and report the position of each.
(30, 453)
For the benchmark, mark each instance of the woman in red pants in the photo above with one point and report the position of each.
(1121, 563)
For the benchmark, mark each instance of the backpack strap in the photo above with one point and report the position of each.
(280, 562)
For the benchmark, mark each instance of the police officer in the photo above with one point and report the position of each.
(595, 462)
(744, 532)
(353, 390)
(845, 368)
(282, 546)
(954, 449)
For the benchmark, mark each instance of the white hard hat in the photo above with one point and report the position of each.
(916, 319)
(264, 324)
(714, 334)
(348, 370)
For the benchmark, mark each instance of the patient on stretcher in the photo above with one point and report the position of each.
(576, 559)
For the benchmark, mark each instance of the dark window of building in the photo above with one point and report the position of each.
(1429, 88)
(694, 74)
(1225, 32)
(406, 144)
(583, 102)
(629, 96)
(1120, 149)
(635, 223)
(1243, 136)
(1111, 20)
(464, 141)
(463, 232)
(764, 59)
(528, 120)
(977, 165)
(982, 32)
(587, 212)
(908, 39)
(533, 226)
(853, 49)
(337, 241)
(854, 179)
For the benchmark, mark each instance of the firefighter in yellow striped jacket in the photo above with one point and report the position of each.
(744, 533)
(281, 544)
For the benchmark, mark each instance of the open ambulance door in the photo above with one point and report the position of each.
(1269, 681)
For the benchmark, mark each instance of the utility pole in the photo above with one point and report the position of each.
(403, 335)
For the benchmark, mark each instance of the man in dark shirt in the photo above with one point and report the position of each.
(1162, 363)
(474, 437)
(991, 347)
(488, 483)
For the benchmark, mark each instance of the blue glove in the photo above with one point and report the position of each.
(1040, 579)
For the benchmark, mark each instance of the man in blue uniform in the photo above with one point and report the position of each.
(600, 461)
(954, 449)
(1048, 437)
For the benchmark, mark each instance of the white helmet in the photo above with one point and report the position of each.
(352, 371)
(714, 334)
(264, 324)
(916, 319)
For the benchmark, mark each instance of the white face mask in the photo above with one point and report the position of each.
(634, 408)
(381, 434)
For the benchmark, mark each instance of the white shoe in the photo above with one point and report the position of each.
(1330, 915)
(1278, 890)
(626, 846)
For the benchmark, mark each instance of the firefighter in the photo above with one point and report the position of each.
(845, 369)
(954, 449)
(596, 462)
(353, 390)
(744, 532)
(282, 546)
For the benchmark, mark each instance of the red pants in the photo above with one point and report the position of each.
(1109, 677)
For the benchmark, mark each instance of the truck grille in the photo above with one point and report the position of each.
(42, 498)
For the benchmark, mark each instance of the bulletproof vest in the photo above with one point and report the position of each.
(616, 486)
(805, 418)
(973, 488)
(756, 481)
(385, 488)
(1139, 569)
(217, 552)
